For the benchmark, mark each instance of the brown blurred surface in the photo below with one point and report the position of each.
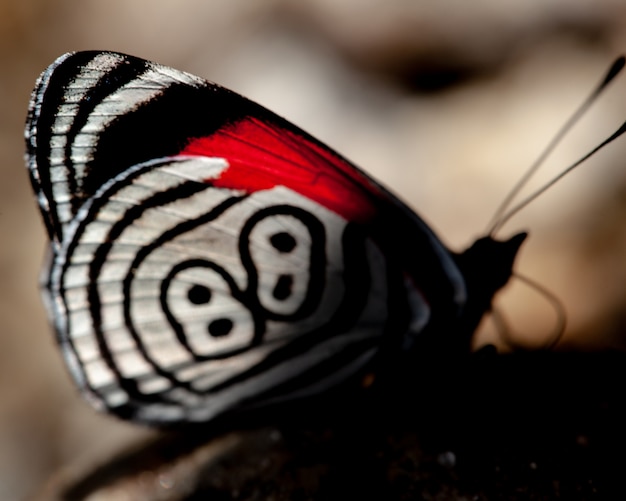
(444, 104)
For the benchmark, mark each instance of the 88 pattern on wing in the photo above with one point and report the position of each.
(189, 312)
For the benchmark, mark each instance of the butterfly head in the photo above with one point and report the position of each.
(487, 266)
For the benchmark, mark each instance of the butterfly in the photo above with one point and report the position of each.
(206, 255)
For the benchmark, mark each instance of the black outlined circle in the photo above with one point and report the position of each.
(216, 328)
(316, 265)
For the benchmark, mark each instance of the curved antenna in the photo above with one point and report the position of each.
(498, 219)
(505, 331)
(502, 327)
(531, 197)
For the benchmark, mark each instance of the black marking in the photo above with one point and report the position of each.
(99, 259)
(259, 320)
(199, 294)
(283, 242)
(283, 287)
(113, 80)
(357, 280)
(53, 94)
(184, 190)
(316, 268)
(221, 327)
(142, 254)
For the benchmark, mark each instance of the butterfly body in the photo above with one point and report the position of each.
(206, 255)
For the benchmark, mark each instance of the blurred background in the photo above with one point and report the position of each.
(445, 105)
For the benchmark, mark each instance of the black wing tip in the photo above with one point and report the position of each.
(46, 97)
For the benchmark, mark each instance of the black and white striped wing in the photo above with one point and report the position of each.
(207, 255)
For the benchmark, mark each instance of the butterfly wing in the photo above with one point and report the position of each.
(205, 253)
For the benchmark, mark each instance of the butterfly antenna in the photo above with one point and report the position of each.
(531, 197)
(559, 328)
(561, 315)
(502, 327)
(498, 219)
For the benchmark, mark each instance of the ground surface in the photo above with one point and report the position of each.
(522, 427)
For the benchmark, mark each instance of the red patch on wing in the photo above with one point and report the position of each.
(261, 156)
